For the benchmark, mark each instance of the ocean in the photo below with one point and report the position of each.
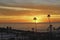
(29, 26)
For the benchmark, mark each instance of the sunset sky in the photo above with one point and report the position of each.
(26, 10)
(13, 12)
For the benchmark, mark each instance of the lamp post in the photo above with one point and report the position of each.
(49, 18)
(50, 28)
(35, 23)
(35, 35)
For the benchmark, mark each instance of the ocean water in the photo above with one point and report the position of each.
(29, 26)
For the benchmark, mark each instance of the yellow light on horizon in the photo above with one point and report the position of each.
(21, 18)
(38, 19)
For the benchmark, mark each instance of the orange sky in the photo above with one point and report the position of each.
(26, 14)
(40, 18)
(23, 11)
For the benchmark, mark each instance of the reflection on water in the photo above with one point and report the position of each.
(28, 26)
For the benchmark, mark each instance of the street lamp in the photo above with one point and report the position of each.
(50, 28)
(35, 23)
(48, 18)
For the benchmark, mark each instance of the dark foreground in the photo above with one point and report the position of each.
(13, 34)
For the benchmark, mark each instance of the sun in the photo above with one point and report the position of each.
(36, 20)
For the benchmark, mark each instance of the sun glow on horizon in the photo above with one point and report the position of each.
(38, 19)
(29, 19)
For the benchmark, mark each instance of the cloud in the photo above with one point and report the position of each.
(16, 8)
(22, 11)
(22, 2)
(11, 11)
